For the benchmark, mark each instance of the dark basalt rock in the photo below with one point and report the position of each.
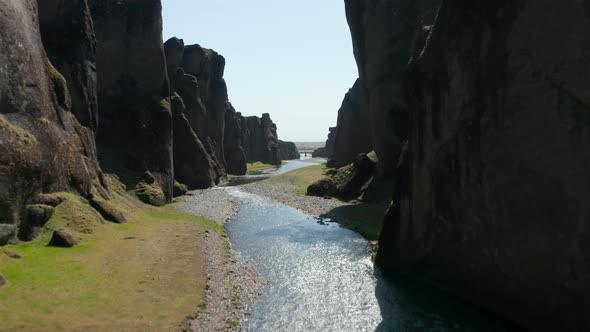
(37, 216)
(180, 189)
(492, 197)
(43, 147)
(150, 194)
(328, 150)
(383, 35)
(63, 239)
(192, 163)
(288, 151)
(135, 132)
(353, 135)
(8, 234)
(108, 211)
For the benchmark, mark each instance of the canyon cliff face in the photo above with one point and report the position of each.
(353, 136)
(261, 141)
(328, 150)
(383, 34)
(492, 201)
(193, 163)
(288, 151)
(43, 146)
(230, 139)
(135, 132)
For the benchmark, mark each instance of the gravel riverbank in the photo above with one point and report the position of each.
(230, 285)
(286, 193)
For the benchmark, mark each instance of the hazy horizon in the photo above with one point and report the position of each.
(293, 60)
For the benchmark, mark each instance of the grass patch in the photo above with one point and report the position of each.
(259, 168)
(21, 134)
(302, 177)
(365, 218)
(146, 275)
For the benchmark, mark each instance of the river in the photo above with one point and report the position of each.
(320, 278)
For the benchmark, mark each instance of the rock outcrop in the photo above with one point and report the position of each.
(353, 136)
(328, 150)
(348, 182)
(135, 132)
(288, 151)
(43, 146)
(193, 163)
(383, 34)
(235, 134)
(262, 142)
(492, 201)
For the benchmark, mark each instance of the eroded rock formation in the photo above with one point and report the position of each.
(493, 191)
(383, 35)
(353, 134)
(288, 151)
(135, 132)
(262, 142)
(328, 150)
(43, 146)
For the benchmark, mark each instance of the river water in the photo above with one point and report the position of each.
(320, 278)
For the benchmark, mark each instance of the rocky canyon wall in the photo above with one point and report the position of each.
(43, 146)
(493, 183)
(383, 34)
(353, 134)
(135, 132)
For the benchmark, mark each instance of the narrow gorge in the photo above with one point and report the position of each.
(449, 195)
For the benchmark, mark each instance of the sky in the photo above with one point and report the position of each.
(292, 59)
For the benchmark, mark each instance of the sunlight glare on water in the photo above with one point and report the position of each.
(320, 278)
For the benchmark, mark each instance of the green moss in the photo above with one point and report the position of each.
(303, 177)
(121, 277)
(259, 168)
(150, 194)
(21, 134)
(54, 74)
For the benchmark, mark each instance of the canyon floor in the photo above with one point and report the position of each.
(168, 268)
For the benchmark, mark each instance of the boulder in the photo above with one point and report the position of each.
(37, 215)
(108, 211)
(8, 234)
(135, 133)
(235, 156)
(348, 182)
(262, 143)
(288, 151)
(2, 281)
(180, 189)
(63, 239)
(192, 163)
(492, 197)
(328, 150)
(150, 194)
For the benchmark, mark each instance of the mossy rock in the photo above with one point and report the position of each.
(63, 239)
(108, 211)
(21, 134)
(179, 189)
(150, 194)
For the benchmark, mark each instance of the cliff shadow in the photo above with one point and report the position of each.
(407, 306)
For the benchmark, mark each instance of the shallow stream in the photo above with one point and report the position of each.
(320, 278)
